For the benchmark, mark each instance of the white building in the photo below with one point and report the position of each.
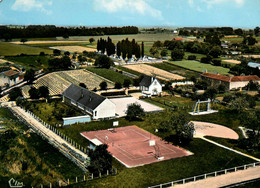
(9, 78)
(96, 105)
(150, 86)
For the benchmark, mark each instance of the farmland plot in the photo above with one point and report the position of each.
(57, 82)
(73, 49)
(153, 71)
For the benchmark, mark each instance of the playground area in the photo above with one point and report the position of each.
(134, 147)
(215, 130)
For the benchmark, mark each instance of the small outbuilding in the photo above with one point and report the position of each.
(150, 86)
(10, 77)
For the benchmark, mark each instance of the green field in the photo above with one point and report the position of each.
(47, 45)
(175, 69)
(34, 62)
(110, 74)
(237, 39)
(8, 49)
(200, 67)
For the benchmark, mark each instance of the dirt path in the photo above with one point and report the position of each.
(224, 180)
(49, 42)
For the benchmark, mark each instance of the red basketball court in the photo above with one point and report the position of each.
(133, 146)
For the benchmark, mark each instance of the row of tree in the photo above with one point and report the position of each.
(34, 31)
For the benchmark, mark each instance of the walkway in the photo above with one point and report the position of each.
(224, 180)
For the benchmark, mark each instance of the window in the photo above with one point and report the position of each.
(95, 113)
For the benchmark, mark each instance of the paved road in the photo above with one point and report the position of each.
(224, 180)
(51, 136)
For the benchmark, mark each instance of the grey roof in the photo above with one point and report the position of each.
(83, 96)
(146, 81)
(253, 65)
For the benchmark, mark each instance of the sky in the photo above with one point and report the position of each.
(142, 13)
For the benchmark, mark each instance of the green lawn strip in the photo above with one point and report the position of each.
(198, 56)
(8, 49)
(110, 74)
(207, 158)
(36, 39)
(175, 69)
(200, 67)
(46, 45)
(129, 70)
(34, 61)
(231, 143)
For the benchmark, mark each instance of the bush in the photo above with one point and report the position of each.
(205, 60)
(216, 62)
(191, 57)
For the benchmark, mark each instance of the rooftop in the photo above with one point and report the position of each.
(231, 79)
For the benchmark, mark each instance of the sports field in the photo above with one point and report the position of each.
(133, 146)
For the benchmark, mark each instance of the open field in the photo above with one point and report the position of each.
(153, 71)
(236, 39)
(249, 56)
(57, 82)
(34, 62)
(73, 49)
(7, 49)
(110, 74)
(200, 67)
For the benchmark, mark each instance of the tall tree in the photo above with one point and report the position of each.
(142, 49)
(134, 111)
(15, 93)
(29, 76)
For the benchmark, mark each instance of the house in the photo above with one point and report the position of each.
(178, 38)
(150, 86)
(10, 77)
(233, 82)
(98, 106)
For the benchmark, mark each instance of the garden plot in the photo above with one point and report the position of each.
(233, 61)
(57, 82)
(153, 71)
(73, 49)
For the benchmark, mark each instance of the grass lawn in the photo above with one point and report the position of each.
(198, 56)
(34, 62)
(110, 74)
(47, 45)
(8, 49)
(175, 69)
(200, 67)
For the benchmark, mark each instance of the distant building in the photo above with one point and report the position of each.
(233, 82)
(150, 86)
(178, 38)
(254, 65)
(10, 77)
(98, 106)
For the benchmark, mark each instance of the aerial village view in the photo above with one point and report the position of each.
(129, 93)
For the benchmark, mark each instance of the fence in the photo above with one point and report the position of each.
(204, 176)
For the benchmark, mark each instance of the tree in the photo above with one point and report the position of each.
(134, 112)
(118, 85)
(66, 36)
(239, 104)
(215, 51)
(100, 160)
(153, 51)
(221, 88)
(252, 86)
(103, 85)
(91, 40)
(67, 53)
(56, 52)
(257, 31)
(43, 91)
(164, 52)
(82, 85)
(177, 54)
(15, 93)
(210, 93)
(127, 83)
(142, 54)
(23, 40)
(179, 126)
(104, 62)
(34, 93)
(29, 76)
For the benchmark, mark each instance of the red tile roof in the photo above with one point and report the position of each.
(178, 38)
(11, 73)
(231, 79)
